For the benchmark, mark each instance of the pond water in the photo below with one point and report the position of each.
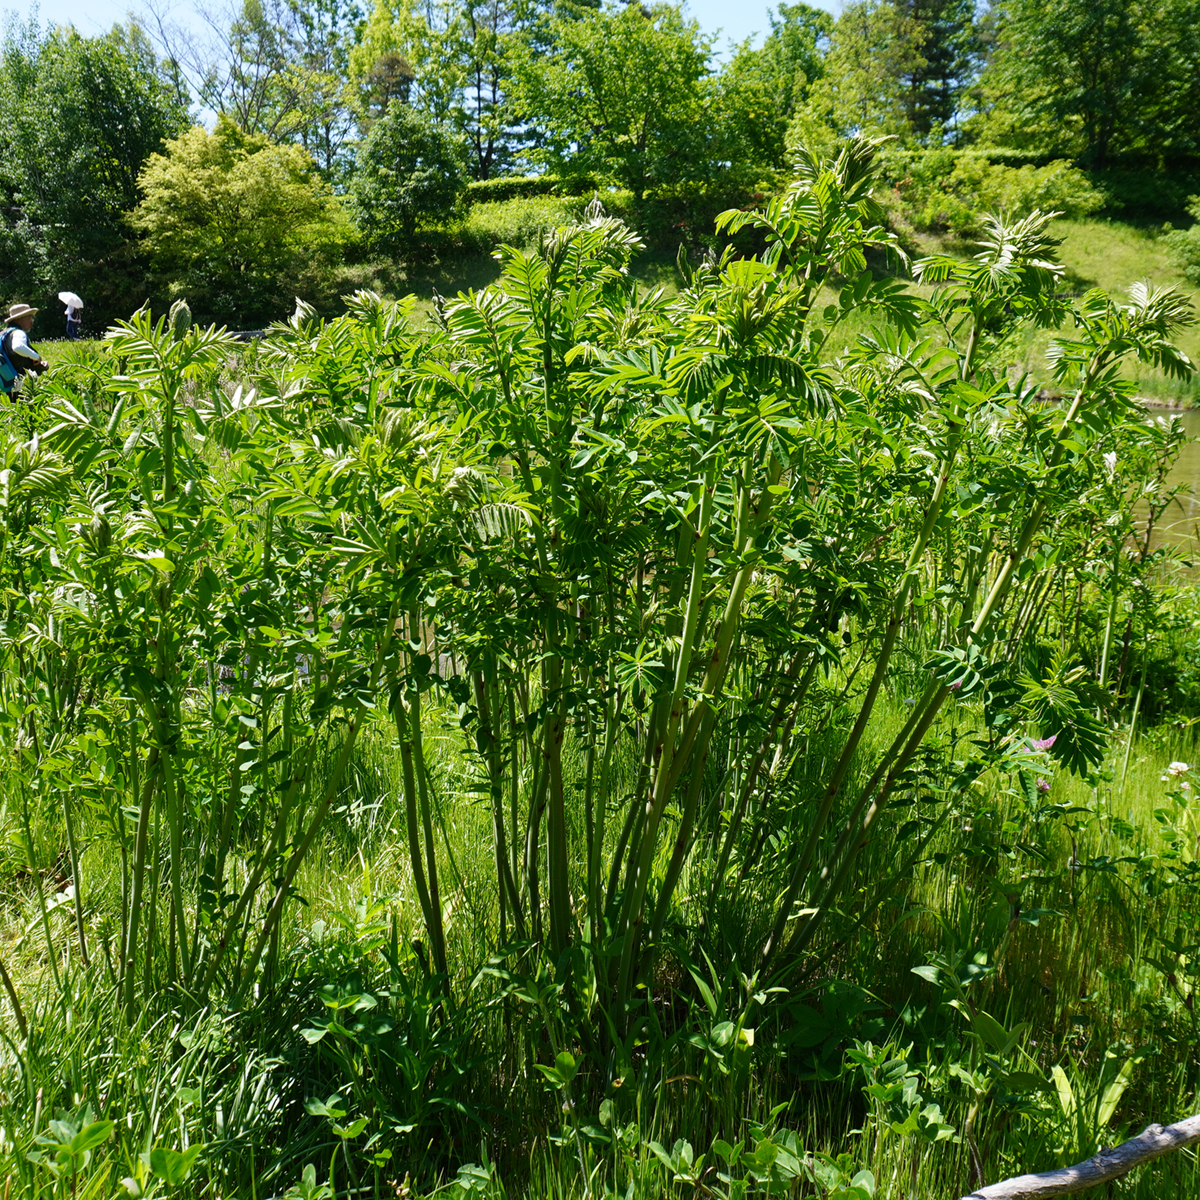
(1180, 524)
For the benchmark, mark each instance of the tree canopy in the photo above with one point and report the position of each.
(874, 47)
(453, 59)
(623, 95)
(235, 223)
(81, 117)
(761, 89)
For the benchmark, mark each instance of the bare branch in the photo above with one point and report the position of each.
(1153, 1142)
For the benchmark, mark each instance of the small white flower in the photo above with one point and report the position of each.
(1175, 769)
(1185, 786)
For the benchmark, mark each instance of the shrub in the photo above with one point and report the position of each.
(1183, 246)
(1148, 195)
(666, 219)
(950, 189)
(410, 172)
(239, 226)
(687, 213)
(516, 222)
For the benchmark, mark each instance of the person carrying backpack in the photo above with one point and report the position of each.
(17, 356)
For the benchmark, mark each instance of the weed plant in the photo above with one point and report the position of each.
(615, 743)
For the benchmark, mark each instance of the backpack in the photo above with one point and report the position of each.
(8, 372)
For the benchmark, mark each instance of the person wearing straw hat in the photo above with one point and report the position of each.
(17, 356)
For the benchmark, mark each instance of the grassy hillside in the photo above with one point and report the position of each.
(1112, 255)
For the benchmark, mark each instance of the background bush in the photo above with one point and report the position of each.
(947, 189)
(409, 174)
(1183, 245)
(518, 187)
(514, 222)
(238, 225)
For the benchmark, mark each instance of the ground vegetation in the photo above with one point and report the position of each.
(608, 742)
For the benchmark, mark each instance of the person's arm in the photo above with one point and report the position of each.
(19, 344)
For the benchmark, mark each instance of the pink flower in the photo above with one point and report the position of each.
(956, 685)
(1044, 743)
(1043, 785)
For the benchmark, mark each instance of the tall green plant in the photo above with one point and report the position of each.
(671, 566)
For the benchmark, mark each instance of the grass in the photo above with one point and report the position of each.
(1112, 255)
(465, 262)
(1052, 899)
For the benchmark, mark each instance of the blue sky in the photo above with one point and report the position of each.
(737, 19)
(88, 16)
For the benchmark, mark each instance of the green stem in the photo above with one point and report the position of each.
(674, 757)
(850, 749)
(1137, 706)
(275, 912)
(935, 695)
(41, 895)
(73, 853)
(436, 932)
(18, 1012)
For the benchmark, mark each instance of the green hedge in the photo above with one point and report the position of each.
(522, 187)
(520, 221)
(1005, 156)
(687, 214)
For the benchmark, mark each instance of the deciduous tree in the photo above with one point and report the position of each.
(1103, 82)
(82, 115)
(874, 48)
(238, 225)
(624, 95)
(451, 58)
(410, 169)
(761, 88)
(277, 67)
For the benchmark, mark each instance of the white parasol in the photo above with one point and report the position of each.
(70, 299)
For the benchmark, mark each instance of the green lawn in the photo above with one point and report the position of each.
(61, 351)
